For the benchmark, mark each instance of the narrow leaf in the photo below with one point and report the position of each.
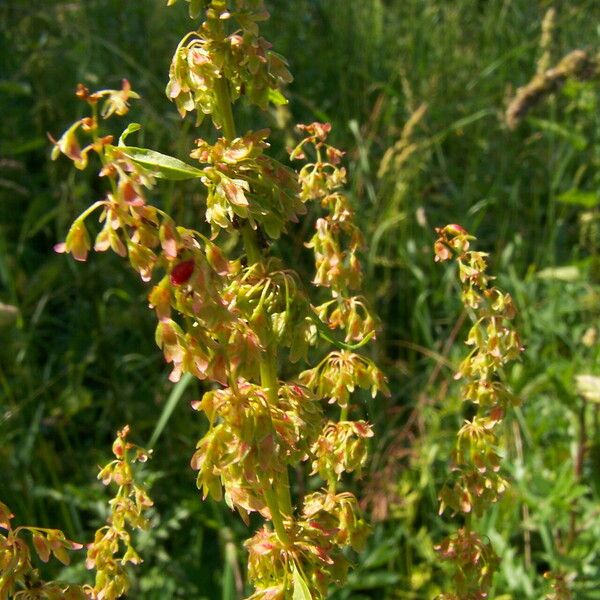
(161, 165)
(172, 402)
(577, 140)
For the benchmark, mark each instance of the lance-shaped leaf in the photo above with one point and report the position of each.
(161, 165)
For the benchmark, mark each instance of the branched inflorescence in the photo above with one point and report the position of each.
(111, 549)
(234, 320)
(18, 578)
(476, 481)
(107, 555)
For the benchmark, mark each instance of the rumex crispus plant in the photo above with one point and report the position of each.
(234, 319)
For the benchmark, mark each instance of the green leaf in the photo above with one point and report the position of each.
(171, 404)
(580, 198)
(372, 581)
(15, 88)
(161, 165)
(301, 591)
(130, 129)
(15, 147)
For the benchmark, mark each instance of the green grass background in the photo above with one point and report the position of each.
(77, 359)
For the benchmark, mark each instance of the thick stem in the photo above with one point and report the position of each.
(332, 486)
(270, 383)
(225, 111)
(284, 494)
(277, 495)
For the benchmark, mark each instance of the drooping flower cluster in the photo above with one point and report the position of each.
(337, 239)
(476, 482)
(243, 183)
(115, 102)
(231, 320)
(312, 561)
(250, 437)
(475, 562)
(18, 578)
(341, 449)
(338, 375)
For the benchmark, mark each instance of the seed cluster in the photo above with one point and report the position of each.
(476, 482)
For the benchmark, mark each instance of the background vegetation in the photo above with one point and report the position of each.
(77, 359)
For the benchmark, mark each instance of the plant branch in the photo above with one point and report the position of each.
(277, 494)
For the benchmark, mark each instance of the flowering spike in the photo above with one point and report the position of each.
(477, 483)
(127, 512)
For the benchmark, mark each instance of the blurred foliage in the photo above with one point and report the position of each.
(416, 91)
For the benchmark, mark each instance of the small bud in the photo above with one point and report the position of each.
(216, 259)
(118, 447)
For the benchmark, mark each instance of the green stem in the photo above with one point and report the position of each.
(284, 494)
(88, 211)
(277, 495)
(270, 383)
(344, 413)
(324, 333)
(225, 110)
(102, 153)
(332, 485)
(272, 501)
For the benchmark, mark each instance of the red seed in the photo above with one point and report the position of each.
(182, 272)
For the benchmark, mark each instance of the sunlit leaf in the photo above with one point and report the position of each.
(162, 165)
(301, 591)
